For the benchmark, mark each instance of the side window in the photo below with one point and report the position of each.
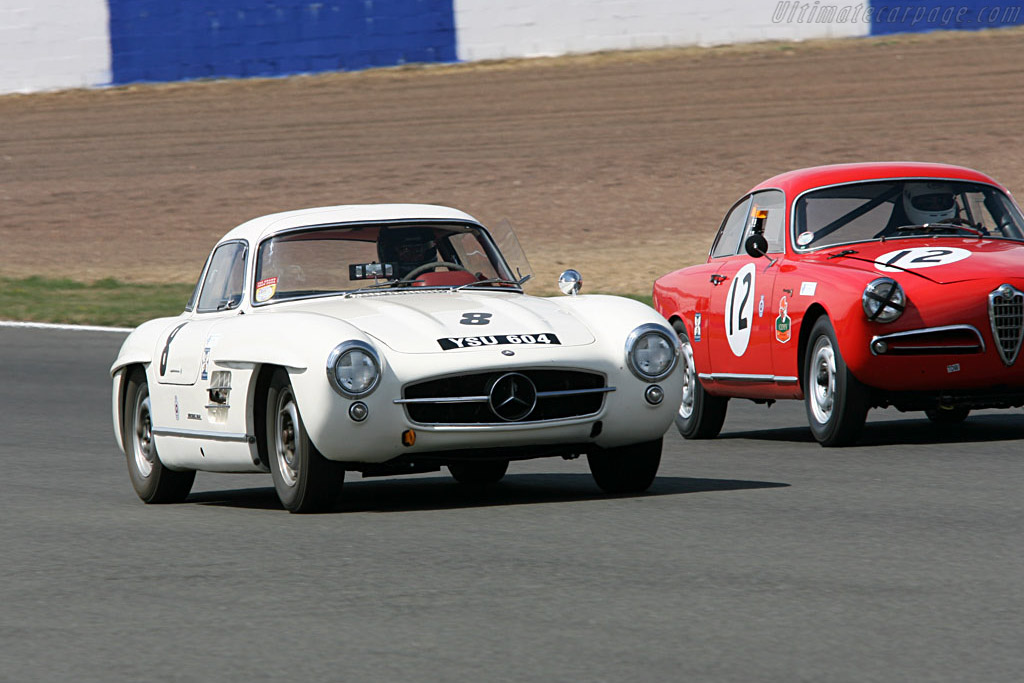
(195, 291)
(225, 278)
(728, 241)
(774, 202)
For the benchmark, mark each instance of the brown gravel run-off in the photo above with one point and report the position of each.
(621, 165)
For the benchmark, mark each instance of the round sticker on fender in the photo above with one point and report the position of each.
(739, 309)
(919, 257)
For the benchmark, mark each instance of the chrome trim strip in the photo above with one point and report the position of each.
(574, 392)
(483, 399)
(443, 399)
(738, 377)
(520, 424)
(217, 405)
(211, 436)
(929, 330)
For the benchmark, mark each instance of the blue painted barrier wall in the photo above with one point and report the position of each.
(160, 40)
(53, 44)
(935, 15)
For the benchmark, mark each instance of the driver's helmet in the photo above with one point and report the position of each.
(928, 202)
(408, 248)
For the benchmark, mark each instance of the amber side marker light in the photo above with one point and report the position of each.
(408, 437)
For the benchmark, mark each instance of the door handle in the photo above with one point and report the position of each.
(718, 279)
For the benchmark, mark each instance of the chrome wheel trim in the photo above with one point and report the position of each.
(823, 380)
(287, 437)
(689, 380)
(143, 450)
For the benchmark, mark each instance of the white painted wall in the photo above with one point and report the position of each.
(487, 29)
(53, 44)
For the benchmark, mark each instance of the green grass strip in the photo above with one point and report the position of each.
(104, 302)
(107, 302)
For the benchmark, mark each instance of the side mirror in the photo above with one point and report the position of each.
(756, 245)
(570, 282)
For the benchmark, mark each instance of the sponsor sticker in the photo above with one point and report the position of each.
(760, 307)
(955, 367)
(449, 343)
(265, 289)
(804, 238)
(808, 288)
(783, 323)
(696, 327)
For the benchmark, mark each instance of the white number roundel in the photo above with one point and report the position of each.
(739, 309)
(919, 257)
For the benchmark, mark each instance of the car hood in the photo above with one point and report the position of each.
(941, 260)
(416, 322)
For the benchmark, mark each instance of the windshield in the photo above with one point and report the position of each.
(861, 212)
(339, 259)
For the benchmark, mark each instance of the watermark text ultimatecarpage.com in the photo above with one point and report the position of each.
(955, 16)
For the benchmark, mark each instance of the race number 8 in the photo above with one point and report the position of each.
(739, 309)
(475, 318)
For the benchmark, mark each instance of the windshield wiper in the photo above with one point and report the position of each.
(844, 252)
(383, 285)
(936, 227)
(493, 281)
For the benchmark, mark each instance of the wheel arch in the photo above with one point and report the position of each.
(261, 378)
(814, 311)
(120, 396)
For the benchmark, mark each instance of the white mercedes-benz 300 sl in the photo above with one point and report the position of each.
(388, 339)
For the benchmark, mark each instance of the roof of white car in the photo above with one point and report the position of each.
(258, 228)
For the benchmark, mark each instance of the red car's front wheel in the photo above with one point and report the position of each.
(837, 403)
(700, 415)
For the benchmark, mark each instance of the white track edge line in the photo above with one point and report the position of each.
(72, 328)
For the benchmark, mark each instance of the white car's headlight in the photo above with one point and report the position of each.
(353, 369)
(883, 300)
(651, 352)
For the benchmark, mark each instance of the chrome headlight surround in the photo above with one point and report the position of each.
(883, 300)
(347, 362)
(639, 342)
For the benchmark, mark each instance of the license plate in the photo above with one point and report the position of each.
(449, 343)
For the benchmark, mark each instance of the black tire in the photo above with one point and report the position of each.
(948, 415)
(836, 402)
(304, 479)
(627, 469)
(700, 414)
(152, 481)
(479, 473)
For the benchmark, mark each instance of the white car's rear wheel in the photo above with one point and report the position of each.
(304, 479)
(153, 482)
(627, 469)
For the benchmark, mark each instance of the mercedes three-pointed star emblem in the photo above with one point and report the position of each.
(513, 397)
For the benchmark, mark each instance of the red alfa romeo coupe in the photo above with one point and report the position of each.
(855, 286)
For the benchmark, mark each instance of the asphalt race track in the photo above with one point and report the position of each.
(755, 557)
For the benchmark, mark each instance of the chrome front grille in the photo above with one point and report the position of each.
(502, 397)
(1006, 313)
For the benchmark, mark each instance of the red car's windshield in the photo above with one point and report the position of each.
(860, 212)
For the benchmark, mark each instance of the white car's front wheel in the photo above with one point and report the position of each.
(153, 482)
(304, 479)
(627, 469)
(478, 473)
